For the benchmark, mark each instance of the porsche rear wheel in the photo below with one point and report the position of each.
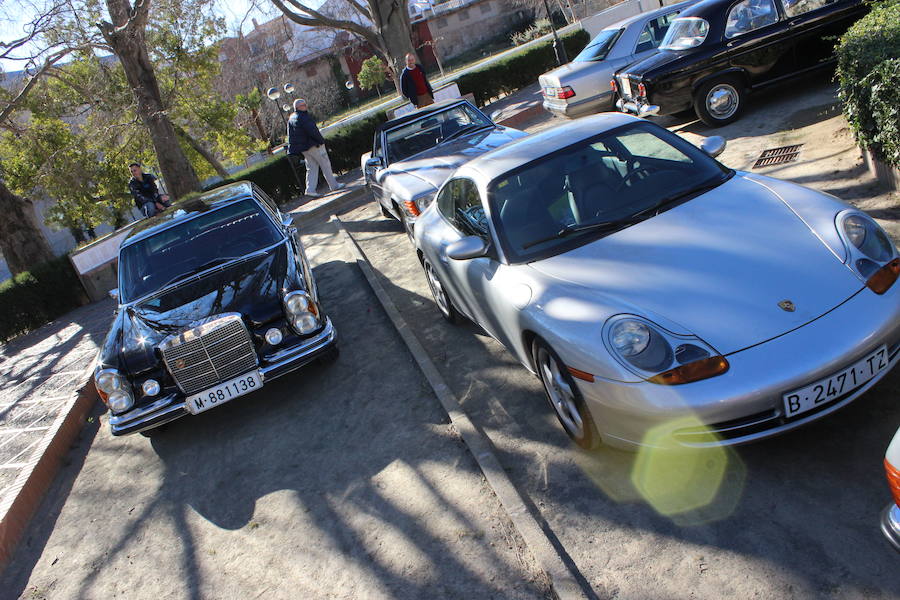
(564, 397)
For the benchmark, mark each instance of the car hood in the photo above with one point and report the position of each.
(251, 286)
(433, 166)
(717, 266)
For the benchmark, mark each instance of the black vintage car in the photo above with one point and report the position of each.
(718, 50)
(216, 298)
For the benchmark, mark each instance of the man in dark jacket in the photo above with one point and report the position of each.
(146, 195)
(414, 84)
(304, 138)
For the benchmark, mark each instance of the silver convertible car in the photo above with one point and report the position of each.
(653, 289)
(412, 155)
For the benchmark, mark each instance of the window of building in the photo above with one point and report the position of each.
(485, 8)
(464, 15)
(310, 70)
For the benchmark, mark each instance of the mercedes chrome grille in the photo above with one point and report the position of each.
(212, 351)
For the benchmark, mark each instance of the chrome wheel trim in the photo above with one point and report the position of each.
(722, 101)
(560, 393)
(437, 290)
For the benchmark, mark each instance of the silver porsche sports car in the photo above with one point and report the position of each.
(653, 289)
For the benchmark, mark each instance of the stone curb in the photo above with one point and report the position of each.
(20, 504)
(323, 210)
(564, 583)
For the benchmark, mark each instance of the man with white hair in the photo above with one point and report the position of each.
(304, 138)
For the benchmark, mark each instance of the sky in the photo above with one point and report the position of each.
(15, 14)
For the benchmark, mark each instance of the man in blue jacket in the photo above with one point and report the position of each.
(414, 84)
(304, 138)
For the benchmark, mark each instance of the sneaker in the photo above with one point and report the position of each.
(313, 195)
(339, 186)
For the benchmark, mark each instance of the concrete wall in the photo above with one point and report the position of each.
(596, 23)
(469, 26)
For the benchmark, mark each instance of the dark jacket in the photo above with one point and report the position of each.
(144, 191)
(408, 84)
(302, 133)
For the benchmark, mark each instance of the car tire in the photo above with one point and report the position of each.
(385, 212)
(439, 294)
(329, 355)
(719, 101)
(564, 396)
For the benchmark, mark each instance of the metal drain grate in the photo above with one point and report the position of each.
(777, 156)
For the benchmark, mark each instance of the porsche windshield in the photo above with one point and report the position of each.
(214, 237)
(595, 187)
(432, 129)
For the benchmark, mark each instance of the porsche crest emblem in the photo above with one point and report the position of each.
(787, 306)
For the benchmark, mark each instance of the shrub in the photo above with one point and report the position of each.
(345, 145)
(38, 296)
(539, 28)
(868, 72)
(519, 69)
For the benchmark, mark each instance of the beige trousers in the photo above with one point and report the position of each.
(316, 160)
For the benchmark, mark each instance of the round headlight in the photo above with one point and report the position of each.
(150, 387)
(109, 381)
(630, 338)
(274, 336)
(120, 401)
(305, 323)
(296, 303)
(855, 227)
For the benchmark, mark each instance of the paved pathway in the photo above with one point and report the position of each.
(38, 373)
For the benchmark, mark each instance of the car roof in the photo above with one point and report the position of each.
(421, 112)
(704, 8)
(650, 14)
(184, 210)
(524, 150)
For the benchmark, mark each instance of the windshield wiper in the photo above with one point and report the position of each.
(466, 129)
(571, 228)
(203, 267)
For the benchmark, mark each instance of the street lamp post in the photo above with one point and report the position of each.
(558, 49)
(274, 94)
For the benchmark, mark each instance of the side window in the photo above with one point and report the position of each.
(445, 200)
(267, 202)
(653, 32)
(792, 8)
(376, 146)
(750, 15)
(463, 208)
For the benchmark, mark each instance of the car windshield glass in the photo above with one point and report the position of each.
(686, 32)
(596, 186)
(214, 237)
(432, 129)
(599, 47)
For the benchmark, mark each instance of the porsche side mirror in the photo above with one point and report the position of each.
(470, 246)
(714, 145)
(114, 294)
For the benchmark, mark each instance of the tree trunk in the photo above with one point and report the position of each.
(21, 240)
(202, 151)
(393, 30)
(126, 37)
(259, 126)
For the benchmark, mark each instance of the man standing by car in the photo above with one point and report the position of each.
(146, 195)
(304, 138)
(414, 83)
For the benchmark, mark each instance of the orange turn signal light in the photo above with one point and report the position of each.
(412, 208)
(893, 477)
(884, 277)
(582, 375)
(692, 371)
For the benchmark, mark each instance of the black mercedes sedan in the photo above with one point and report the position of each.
(717, 51)
(215, 299)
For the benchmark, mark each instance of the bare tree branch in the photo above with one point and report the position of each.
(314, 18)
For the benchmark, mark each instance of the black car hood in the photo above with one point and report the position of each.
(252, 286)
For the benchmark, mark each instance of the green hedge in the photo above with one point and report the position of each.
(36, 297)
(345, 145)
(518, 70)
(868, 72)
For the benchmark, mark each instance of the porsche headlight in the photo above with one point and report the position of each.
(301, 312)
(871, 253)
(660, 356)
(867, 237)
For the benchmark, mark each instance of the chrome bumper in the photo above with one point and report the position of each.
(636, 108)
(171, 407)
(890, 525)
